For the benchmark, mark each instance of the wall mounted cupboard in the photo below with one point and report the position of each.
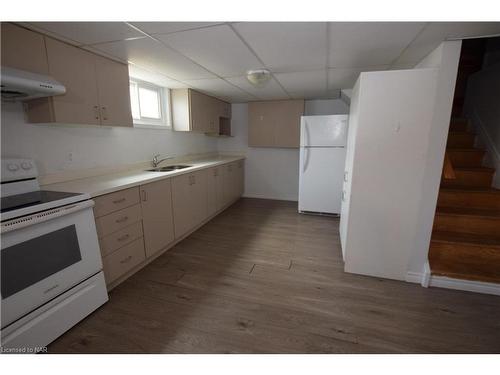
(23, 49)
(275, 123)
(97, 88)
(193, 111)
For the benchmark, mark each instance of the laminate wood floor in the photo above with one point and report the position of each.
(260, 278)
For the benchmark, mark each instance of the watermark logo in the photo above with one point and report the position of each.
(23, 350)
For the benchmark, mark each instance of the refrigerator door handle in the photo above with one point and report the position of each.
(306, 159)
(308, 136)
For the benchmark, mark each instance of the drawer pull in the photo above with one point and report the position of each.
(122, 219)
(123, 238)
(119, 200)
(126, 260)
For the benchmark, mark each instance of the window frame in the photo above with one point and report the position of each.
(164, 105)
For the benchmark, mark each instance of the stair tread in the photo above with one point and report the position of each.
(469, 211)
(457, 132)
(464, 149)
(473, 239)
(470, 189)
(490, 277)
(475, 169)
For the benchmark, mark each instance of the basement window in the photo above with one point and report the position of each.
(150, 105)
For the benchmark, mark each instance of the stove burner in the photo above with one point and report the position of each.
(33, 198)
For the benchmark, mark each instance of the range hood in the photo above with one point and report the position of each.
(21, 85)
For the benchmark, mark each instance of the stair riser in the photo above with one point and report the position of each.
(469, 179)
(458, 126)
(460, 140)
(467, 224)
(466, 158)
(464, 260)
(469, 199)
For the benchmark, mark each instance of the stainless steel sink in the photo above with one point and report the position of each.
(170, 168)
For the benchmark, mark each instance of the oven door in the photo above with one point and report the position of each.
(44, 255)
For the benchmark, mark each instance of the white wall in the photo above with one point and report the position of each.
(482, 108)
(90, 146)
(445, 58)
(326, 107)
(271, 173)
(387, 168)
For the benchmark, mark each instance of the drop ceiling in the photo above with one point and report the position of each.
(308, 60)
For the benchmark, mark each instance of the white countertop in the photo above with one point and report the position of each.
(104, 184)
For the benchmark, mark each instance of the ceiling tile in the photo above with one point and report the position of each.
(155, 56)
(345, 78)
(436, 32)
(359, 44)
(216, 48)
(153, 77)
(287, 46)
(314, 94)
(271, 91)
(170, 27)
(218, 87)
(84, 33)
(304, 83)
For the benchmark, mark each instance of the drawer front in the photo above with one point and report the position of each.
(108, 203)
(123, 260)
(118, 220)
(120, 238)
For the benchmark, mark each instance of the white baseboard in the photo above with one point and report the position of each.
(277, 198)
(467, 285)
(414, 277)
(422, 278)
(450, 283)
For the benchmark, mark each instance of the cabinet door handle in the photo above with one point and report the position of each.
(104, 112)
(123, 238)
(119, 200)
(122, 219)
(127, 259)
(144, 195)
(96, 112)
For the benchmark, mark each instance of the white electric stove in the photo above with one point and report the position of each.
(51, 269)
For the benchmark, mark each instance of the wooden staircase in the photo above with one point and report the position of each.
(465, 240)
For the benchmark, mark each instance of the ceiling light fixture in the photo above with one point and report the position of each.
(259, 77)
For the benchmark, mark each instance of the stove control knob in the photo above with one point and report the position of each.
(26, 165)
(12, 167)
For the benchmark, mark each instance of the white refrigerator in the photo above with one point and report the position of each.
(322, 163)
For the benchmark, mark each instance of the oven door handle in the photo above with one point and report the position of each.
(41, 217)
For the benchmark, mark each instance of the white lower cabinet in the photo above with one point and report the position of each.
(233, 181)
(157, 217)
(189, 201)
(215, 189)
(135, 224)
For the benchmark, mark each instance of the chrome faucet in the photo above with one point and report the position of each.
(155, 162)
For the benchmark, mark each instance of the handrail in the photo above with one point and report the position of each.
(448, 171)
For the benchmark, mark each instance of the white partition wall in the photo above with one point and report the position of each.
(390, 122)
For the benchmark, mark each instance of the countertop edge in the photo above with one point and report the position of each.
(155, 176)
